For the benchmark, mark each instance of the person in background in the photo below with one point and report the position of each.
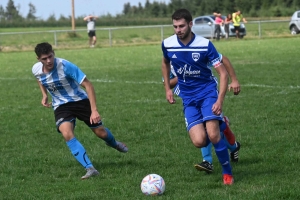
(63, 81)
(228, 20)
(236, 18)
(218, 23)
(91, 29)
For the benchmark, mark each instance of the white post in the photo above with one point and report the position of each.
(55, 39)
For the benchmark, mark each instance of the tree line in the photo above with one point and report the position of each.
(153, 13)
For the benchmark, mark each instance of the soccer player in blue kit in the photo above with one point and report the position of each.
(226, 133)
(202, 102)
(63, 80)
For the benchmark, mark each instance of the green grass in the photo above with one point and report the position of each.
(117, 36)
(35, 162)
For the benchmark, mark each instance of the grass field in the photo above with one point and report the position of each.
(35, 162)
(24, 39)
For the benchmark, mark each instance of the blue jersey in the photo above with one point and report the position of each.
(190, 63)
(63, 82)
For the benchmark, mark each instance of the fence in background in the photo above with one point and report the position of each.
(124, 36)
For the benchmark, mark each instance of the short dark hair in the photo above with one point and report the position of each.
(182, 14)
(43, 48)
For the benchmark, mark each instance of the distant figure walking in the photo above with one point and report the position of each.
(91, 29)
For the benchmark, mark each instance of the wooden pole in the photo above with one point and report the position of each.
(73, 16)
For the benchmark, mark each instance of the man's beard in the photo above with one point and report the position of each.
(186, 34)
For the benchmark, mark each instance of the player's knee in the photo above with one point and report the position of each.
(100, 132)
(199, 144)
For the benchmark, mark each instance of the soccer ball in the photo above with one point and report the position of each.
(153, 184)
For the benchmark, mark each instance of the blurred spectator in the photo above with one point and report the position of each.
(91, 29)
(218, 23)
(236, 18)
(228, 20)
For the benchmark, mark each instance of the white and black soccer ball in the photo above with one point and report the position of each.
(153, 184)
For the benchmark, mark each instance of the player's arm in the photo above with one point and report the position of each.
(234, 85)
(95, 116)
(217, 107)
(166, 68)
(173, 82)
(44, 101)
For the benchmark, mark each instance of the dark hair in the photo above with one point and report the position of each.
(182, 14)
(43, 48)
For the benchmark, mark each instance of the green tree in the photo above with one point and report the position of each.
(31, 14)
(12, 12)
(2, 13)
(296, 4)
(126, 8)
(228, 7)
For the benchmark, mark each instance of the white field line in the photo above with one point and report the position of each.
(157, 82)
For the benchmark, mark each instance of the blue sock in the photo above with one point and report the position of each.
(110, 140)
(222, 154)
(223, 126)
(79, 153)
(230, 147)
(206, 153)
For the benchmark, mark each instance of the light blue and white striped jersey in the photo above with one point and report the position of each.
(190, 63)
(63, 82)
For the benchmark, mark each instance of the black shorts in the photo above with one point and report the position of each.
(92, 33)
(70, 111)
(237, 28)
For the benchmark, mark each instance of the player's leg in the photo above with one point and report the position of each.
(77, 149)
(94, 39)
(106, 135)
(197, 133)
(206, 165)
(83, 113)
(230, 140)
(66, 128)
(213, 130)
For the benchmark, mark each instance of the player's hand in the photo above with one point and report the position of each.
(95, 117)
(235, 86)
(45, 103)
(170, 97)
(217, 108)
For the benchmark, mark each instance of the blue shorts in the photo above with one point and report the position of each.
(199, 111)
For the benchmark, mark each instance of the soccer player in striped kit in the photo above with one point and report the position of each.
(63, 80)
(202, 101)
